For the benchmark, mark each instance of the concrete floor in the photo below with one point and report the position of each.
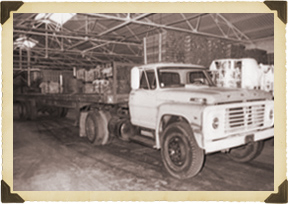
(49, 156)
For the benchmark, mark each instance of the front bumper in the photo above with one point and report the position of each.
(237, 140)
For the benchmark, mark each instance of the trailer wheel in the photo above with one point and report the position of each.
(64, 112)
(181, 155)
(113, 126)
(246, 152)
(54, 111)
(22, 111)
(96, 127)
(105, 117)
(32, 110)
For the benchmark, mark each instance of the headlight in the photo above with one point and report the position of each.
(215, 123)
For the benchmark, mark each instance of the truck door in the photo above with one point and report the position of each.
(142, 102)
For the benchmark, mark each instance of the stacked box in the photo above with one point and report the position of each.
(171, 47)
(123, 79)
(54, 75)
(259, 55)
(107, 72)
(270, 58)
(81, 74)
(97, 73)
(88, 88)
(194, 49)
(44, 87)
(235, 51)
(54, 87)
(103, 86)
(89, 75)
(73, 86)
(50, 75)
(106, 86)
(50, 87)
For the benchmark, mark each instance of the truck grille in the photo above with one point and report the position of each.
(244, 118)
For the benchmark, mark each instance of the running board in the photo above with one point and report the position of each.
(146, 141)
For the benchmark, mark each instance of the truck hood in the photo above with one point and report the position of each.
(211, 95)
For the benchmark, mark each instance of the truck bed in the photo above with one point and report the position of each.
(72, 100)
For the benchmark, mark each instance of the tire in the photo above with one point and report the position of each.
(126, 130)
(105, 117)
(96, 127)
(246, 152)
(54, 111)
(181, 155)
(32, 110)
(113, 126)
(23, 111)
(64, 112)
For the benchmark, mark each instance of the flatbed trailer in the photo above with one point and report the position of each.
(32, 101)
(106, 105)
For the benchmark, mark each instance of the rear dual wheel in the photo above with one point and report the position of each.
(23, 110)
(96, 127)
(181, 155)
(26, 110)
(57, 111)
(121, 128)
(64, 112)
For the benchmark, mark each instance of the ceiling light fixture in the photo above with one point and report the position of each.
(55, 18)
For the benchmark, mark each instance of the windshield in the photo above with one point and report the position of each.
(181, 76)
(198, 78)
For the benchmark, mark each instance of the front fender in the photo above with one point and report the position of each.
(191, 112)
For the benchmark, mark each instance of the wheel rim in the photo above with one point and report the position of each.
(125, 131)
(177, 151)
(90, 129)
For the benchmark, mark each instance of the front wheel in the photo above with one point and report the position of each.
(181, 155)
(246, 152)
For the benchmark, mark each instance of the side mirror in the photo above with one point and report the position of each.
(135, 78)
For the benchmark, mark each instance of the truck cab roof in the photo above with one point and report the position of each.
(145, 66)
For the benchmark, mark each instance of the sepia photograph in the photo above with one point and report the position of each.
(160, 101)
(143, 101)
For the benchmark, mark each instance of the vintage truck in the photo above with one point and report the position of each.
(178, 109)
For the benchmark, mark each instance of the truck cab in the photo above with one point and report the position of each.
(189, 116)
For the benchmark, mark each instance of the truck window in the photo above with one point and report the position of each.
(169, 79)
(151, 80)
(198, 77)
